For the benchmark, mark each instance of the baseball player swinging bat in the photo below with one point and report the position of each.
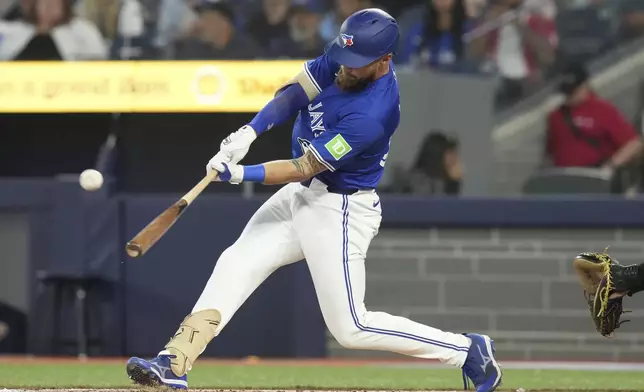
(151, 233)
(347, 108)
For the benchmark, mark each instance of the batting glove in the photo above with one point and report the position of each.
(217, 160)
(229, 172)
(236, 145)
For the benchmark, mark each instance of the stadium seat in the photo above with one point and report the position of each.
(574, 180)
(84, 291)
(586, 33)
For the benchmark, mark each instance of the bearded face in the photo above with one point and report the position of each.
(356, 79)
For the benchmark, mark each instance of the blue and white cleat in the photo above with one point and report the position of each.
(155, 372)
(480, 366)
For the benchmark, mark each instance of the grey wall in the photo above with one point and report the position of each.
(515, 284)
(14, 235)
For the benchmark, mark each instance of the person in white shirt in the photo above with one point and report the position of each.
(520, 42)
(50, 31)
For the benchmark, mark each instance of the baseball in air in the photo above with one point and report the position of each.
(91, 179)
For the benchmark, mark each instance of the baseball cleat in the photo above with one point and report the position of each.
(155, 372)
(480, 366)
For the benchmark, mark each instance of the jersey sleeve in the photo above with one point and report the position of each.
(320, 72)
(353, 134)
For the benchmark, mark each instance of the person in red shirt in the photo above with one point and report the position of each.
(586, 130)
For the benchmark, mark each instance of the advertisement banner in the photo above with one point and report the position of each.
(141, 86)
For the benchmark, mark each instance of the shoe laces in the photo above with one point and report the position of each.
(166, 356)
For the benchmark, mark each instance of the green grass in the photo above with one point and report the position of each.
(207, 375)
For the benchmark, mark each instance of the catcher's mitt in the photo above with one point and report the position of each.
(606, 282)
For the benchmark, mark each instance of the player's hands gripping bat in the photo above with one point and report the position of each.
(233, 148)
(151, 233)
(605, 282)
(229, 172)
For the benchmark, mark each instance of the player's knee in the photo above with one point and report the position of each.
(232, 254)
(348, 336)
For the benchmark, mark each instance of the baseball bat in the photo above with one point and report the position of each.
(151, 233)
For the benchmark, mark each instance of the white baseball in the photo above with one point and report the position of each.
(91, 179)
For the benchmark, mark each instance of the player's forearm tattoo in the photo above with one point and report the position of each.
(307, 165)
(298, 167)
(315, 166)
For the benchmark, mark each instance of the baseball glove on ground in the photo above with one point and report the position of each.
(605, 284)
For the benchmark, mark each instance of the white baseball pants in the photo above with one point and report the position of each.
(332, 232)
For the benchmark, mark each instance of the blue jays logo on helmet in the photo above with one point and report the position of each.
(365, 36)
(347, 40)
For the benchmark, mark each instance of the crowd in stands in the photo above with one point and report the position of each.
(521, 41)
(525, 43)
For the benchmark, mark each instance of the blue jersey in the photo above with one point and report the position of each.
(348, 132)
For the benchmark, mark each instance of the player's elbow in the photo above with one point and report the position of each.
(309, 174)
(297, 176)
(302, 178)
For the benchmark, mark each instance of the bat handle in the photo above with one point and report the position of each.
(197, 189)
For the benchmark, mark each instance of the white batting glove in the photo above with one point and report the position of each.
(229, 172)
(237, 144)
(216, 161)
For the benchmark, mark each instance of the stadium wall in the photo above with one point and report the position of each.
(497, 265)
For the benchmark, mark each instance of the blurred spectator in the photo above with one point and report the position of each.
(520, 41)
(15, 9)
(546, 8)
(397, 7)
(131, 39)
(330, 25)
(436, 171)
(475, 8)
(304, 40)
(437, 39)
(587, 131)
(216, 36)
(270, 27)
(6, 7)
(129, 26)
(632, 20)
(103, 13)
(587, 30)
(177, 20)
(49, 30)
(137, 30)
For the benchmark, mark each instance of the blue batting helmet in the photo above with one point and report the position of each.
(364, 37)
